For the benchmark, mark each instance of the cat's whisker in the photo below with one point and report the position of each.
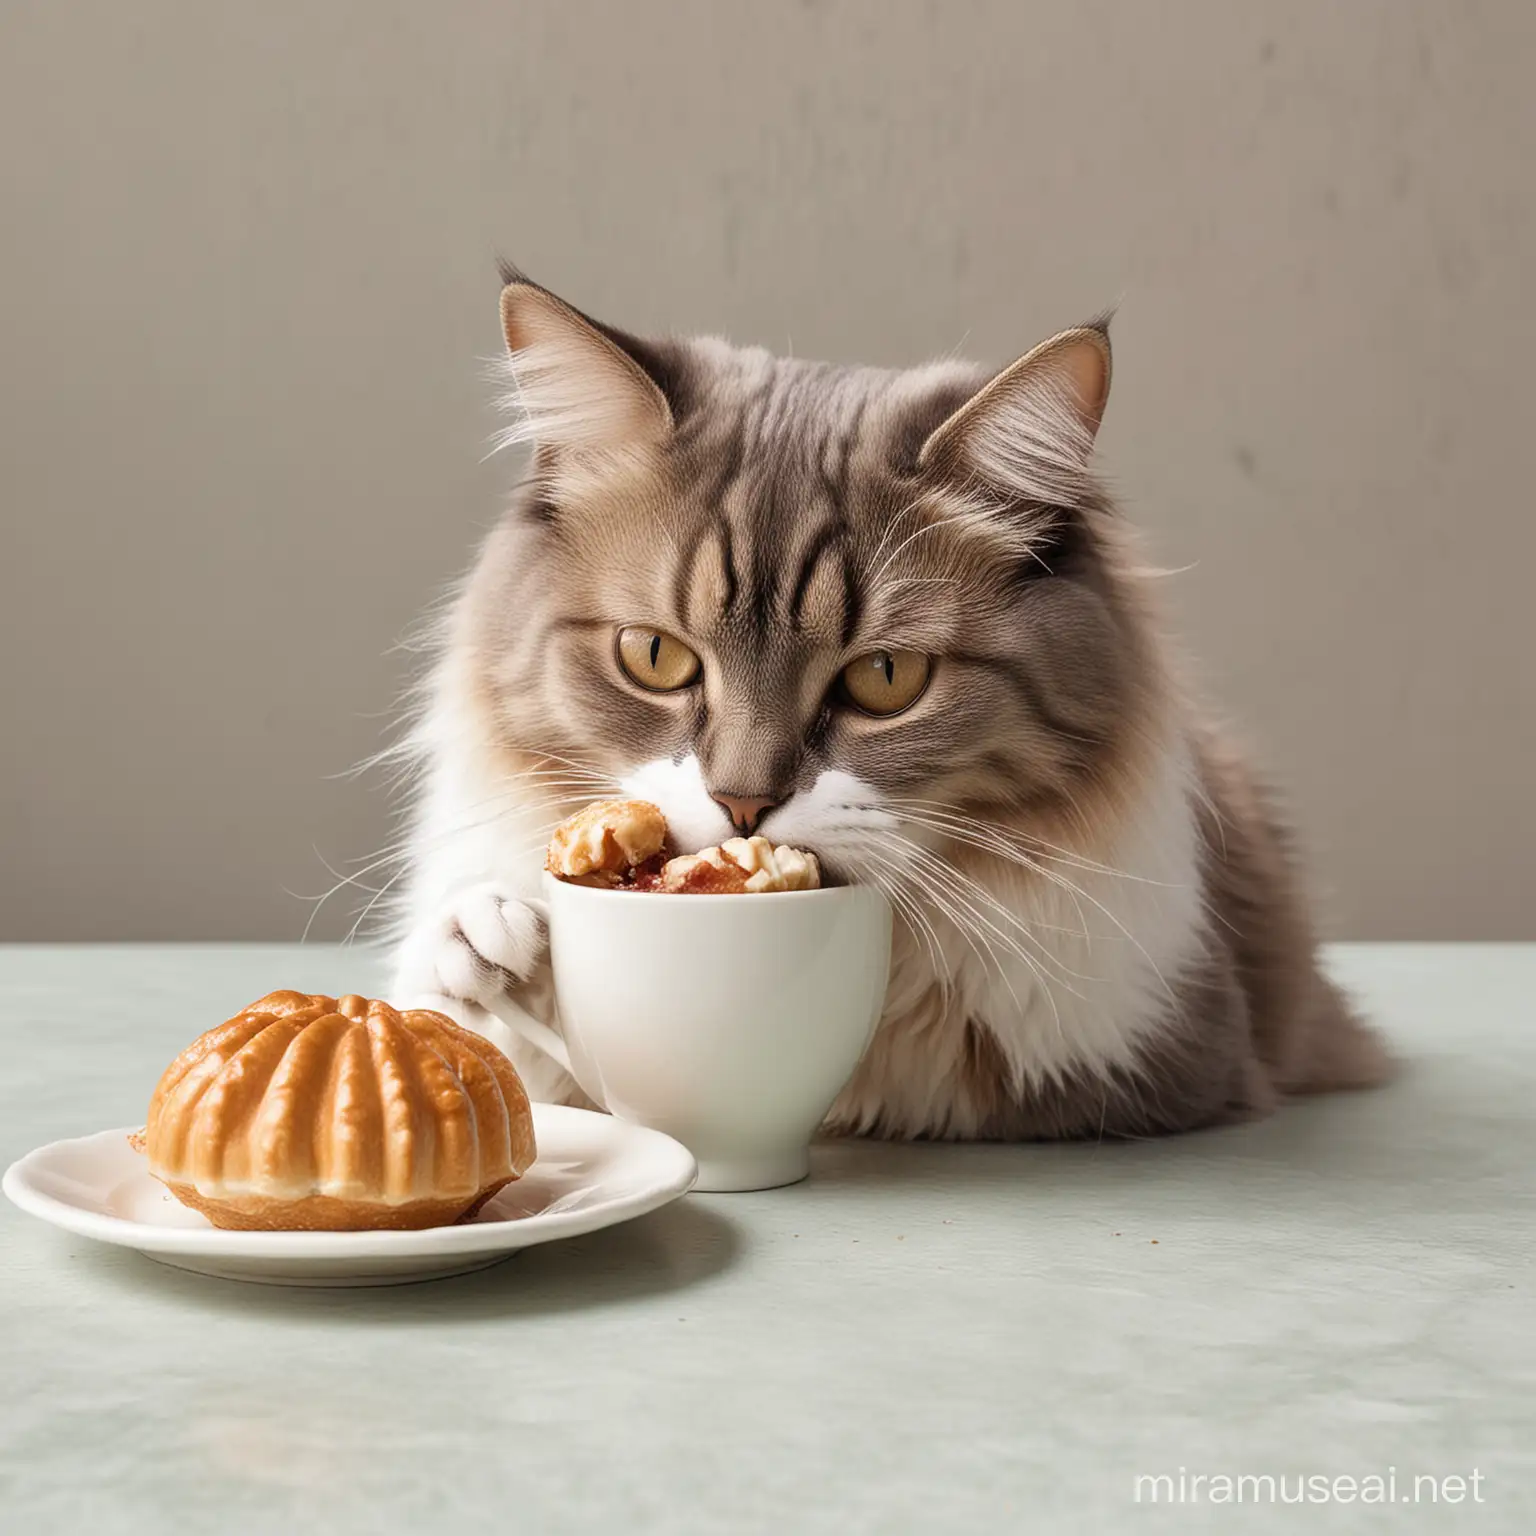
(1001, 850)
(889, 531)
(956, 812)
(539, 840)
(963, 889)
(400, 847)
(341, 882)
(372, 902)
(409, 847)
(933, 527)
(950, 813)
(1075, 891)
(1035, 970)
(896, 888)
(975, 929)
(934, 863)
(596, 769)
(970, 933)
(903, 910)
(935, 899)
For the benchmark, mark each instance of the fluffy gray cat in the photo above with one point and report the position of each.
(891, 617)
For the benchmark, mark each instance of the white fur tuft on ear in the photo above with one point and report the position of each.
(1029, 431)
(568, 385)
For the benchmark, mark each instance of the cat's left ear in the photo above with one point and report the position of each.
(1029, 430)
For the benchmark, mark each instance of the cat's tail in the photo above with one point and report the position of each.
(1342, 1050)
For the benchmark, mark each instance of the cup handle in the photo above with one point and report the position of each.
(528, 1029)
(478, 1016)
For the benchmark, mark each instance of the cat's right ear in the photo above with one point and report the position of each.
(576, 385)
(1029, 431)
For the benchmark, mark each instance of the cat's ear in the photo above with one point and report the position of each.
(576, 384)
(1029, 431)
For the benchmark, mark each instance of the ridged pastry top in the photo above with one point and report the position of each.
(307, 1095)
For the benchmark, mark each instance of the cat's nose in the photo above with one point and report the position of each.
(745, 811)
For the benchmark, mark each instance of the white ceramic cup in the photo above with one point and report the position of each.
(729, 1022)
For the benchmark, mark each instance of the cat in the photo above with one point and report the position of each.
(892, 617)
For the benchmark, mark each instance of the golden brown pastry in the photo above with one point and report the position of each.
(746, 864)
(311, 1112)
(620, 843)
(603, 842)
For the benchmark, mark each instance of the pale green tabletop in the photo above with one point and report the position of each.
(921, 1338)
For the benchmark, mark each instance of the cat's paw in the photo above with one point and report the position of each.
(483, 944)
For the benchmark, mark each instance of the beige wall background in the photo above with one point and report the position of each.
(246, 275)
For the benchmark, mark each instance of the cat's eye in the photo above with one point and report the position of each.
(655, 660)
(885, 682)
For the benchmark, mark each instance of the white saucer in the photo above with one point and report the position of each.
(591, 1172)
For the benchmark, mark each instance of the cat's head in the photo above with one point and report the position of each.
(830, 604)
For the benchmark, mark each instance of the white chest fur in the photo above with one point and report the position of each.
(1068, 970)
(1109, 937)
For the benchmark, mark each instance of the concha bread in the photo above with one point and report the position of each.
(312, 1112)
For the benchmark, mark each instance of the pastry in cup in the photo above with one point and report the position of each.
(306, 1112)
(602, 843)
(621, 844)
(741, 864)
